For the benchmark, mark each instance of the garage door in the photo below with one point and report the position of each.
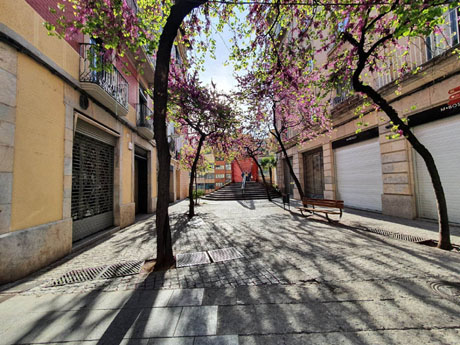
(359, 175)
(442, 139)
(92, 181)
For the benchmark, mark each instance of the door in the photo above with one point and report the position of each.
(140, 181)
(359, 175)
(314, 174)
(92, 185)
(442, 139)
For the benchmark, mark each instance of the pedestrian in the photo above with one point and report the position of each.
(249, 176)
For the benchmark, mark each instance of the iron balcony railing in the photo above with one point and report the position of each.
(111, 81)
(339, 99)
(144, 116)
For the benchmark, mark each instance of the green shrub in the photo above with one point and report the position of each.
(199, 192)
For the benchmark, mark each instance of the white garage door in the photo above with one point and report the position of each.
(359, 175)
(442, 139)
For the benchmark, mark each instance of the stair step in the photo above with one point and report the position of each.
(233, 191)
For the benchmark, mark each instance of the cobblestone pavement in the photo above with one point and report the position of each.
(300, 281)
(278, 248)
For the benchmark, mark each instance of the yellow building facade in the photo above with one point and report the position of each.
(77, 154)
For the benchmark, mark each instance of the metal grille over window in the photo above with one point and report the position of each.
(92, 186)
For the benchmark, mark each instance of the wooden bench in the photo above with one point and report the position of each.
(327, 207)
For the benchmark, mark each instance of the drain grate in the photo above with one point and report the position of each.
(122, 269)
(396, 235)
(101, 272)
(192, 259)
(224, 254)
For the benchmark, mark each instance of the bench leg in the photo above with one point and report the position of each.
(306, 215)
(332, 220)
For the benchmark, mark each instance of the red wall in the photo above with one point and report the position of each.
(42, 8)
(247, 165)
(131, 78)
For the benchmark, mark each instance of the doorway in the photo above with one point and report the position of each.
(141, 180)
(313, 174)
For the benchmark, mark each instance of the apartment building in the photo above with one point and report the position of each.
(223, 173)
(77, 154)
(218, 175)
(371, 172)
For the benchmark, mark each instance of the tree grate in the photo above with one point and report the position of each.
(396, 235)
(224, 254)
(192, 259)
(101, 272)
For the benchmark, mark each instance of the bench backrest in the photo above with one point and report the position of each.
(322, 202)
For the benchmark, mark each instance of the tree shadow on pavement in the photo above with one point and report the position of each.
(341, 286)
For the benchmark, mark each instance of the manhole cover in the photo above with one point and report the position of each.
(224, 254)
(447, 289)
(101, 272)
(192, 259)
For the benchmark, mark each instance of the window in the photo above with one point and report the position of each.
(209, 185)
(447, 37)
(220, 175)
(209, 176)
(342, 89)
(219, 184)
(228, 176)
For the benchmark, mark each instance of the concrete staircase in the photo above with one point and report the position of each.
(232, 191)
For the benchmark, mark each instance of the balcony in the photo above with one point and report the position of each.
(145, 121)
(108, 87)
(339, 99)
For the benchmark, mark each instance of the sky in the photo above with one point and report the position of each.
(215, 70)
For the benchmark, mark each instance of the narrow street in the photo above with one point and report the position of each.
(299, 281)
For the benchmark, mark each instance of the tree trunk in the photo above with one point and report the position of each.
(196, 190)
(191, 207)
(277, 136)
(263, 177)
(444, 233)
(160, 94)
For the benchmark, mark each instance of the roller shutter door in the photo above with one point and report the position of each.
(442, 139)
(92, 183)
(359, 175)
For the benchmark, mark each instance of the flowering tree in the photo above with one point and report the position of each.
(364, 37)
(203, 114)
(367, 27)
(354, 40)
(283, 97)
(188, 156)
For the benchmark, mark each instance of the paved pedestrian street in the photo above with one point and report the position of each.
(300, 281)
